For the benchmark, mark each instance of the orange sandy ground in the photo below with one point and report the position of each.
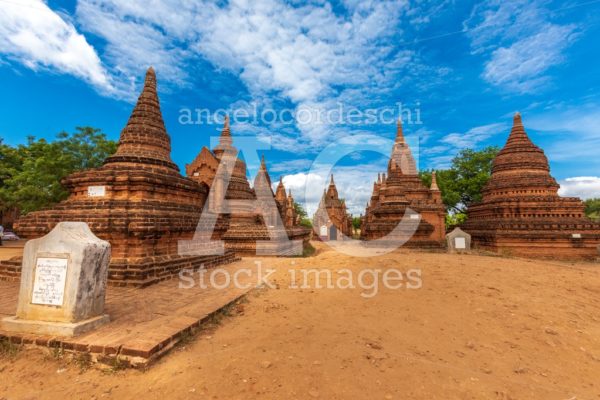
(479, 328)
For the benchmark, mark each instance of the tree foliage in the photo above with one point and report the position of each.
(462, 183)
(30, 174)
(302, 215)
(592, 208)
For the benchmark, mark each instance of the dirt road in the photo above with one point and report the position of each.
(478, 328)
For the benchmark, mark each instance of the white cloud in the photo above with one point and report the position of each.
(584, 187)
(354, 185)
(520, 67)
(304, 54)
(298, 164)
(34, 35)
(473, 136)
(520, 42)
(138, 35)
(440, 156)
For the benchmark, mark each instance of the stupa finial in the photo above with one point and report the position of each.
(434, 185)
(399, 131)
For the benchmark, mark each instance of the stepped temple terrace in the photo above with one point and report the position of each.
(521, 212)
(399, 193)
(331, 220)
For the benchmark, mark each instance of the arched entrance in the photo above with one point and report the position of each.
(332, 232)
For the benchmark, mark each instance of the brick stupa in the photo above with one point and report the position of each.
(241, 225)
(521, 212)
(401, 194)
(285, 204)
(331, 220)
(137, 200)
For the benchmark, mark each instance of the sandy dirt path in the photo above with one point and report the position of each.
(478, 328)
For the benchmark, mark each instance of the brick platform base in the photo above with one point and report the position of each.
(144, 323)
(148, 272)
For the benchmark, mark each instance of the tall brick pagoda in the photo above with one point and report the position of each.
(137, 200)
(331, 220)
(521, 212)
(240, 226)
(401, 194)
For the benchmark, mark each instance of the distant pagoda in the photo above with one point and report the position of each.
(241, 226)
(521, 212)
(401, 194)
(331, 220)
(137, 200)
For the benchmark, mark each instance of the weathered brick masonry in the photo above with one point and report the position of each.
(521, 212)
(137, 200)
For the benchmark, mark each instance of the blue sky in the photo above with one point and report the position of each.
(464, 67)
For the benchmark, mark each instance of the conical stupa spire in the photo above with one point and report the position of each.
(263, 165)
(434, 185)
(331, 182)
(521, 158)
(399, 131)
(226, 130)
(225, 140)
(401, 161)
(263, 174)
(518, 136)
(280, 192)
(144, 140)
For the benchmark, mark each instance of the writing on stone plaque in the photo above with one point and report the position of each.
(460, 243)
(96, 191)
(49, 281)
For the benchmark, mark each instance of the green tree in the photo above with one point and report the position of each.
(462, 183)
(303, 216)
(32, 180)
(592, 208)
(356, 222)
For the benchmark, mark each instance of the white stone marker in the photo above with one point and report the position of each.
(458, 241)
(63, 283)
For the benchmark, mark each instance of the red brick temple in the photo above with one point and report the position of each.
(285, 203)
(401, 194)
(331, 220)
(242, 225)
(137, 200)
(521, 212)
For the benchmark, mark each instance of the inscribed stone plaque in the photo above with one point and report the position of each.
(96, 191)
(49, 281)
(460, 243)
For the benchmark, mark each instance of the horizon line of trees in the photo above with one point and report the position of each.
(30, 174)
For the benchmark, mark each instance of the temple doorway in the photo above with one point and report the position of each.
(332, 232)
